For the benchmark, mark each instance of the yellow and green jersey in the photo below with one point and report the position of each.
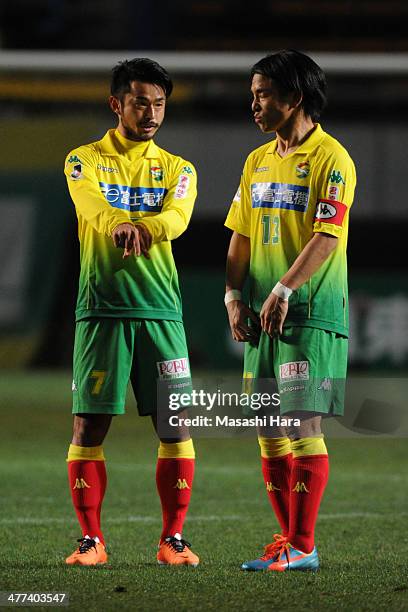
(113, 181)
(280, 204)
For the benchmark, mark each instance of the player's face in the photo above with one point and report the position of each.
(141, 111)
(271, 111)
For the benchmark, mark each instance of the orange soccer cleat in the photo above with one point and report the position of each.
(176, 551)
(89, 552)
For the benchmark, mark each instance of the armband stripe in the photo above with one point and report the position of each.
(330, 211)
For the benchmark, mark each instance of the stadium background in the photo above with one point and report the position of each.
(55, 59)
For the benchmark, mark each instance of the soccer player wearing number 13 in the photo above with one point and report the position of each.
(290, 220)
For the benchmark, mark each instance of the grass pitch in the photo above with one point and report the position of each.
(361, 533)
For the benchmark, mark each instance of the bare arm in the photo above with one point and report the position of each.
(315, 253)
(238, 257)
(309, 260)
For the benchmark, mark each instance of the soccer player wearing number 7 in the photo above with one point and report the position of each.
(132, 198)
(289, 220)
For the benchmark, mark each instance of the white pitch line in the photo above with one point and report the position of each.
(194, 519)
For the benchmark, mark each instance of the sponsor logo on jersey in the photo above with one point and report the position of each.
(80, 483)
(262, 169)
(74, 386)
(76, 172)
(325, 385)
(300, 487)
(173, 368)
(271, 487)
(333, 192)
(187, 170)
(237, 196)
(74, 159)
(302, 169)
(157, 173)
(134, 199)
(291, 389)
(330, 211)
(294, 370)
(106, 168)
(182, 187)
(181, 484)
(335, 177)
(280, 195)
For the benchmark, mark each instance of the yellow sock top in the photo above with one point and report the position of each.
(84, 453)
(309, 446)
(177, 450)
(274, 447)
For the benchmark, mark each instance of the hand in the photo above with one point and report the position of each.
(133, 239)
(145, 239)
(273, 315)
(238, 314)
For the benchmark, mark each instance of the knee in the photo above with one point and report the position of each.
(90, 430)
(306, 428)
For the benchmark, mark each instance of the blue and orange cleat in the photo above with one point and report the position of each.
(281, 556)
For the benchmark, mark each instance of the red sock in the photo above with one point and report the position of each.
(276, 472)
(87, 482)
(307, 483)
(174, 478)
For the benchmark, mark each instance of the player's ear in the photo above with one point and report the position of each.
(296, 99)
(115, 105)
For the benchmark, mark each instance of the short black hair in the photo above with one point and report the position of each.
(139, 69)
(293, 71)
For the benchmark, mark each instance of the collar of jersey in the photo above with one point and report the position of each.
(114, 144)
(306, 147)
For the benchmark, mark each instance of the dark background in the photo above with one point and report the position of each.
(55, 61)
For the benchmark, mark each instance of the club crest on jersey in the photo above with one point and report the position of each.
(294, 370)
(302, 169)
(173, 368)
(157, 173)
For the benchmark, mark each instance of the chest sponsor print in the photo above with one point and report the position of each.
(134, 199)
(280, 195)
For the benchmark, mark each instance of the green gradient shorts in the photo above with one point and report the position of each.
(109, 352)
(307, 366)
